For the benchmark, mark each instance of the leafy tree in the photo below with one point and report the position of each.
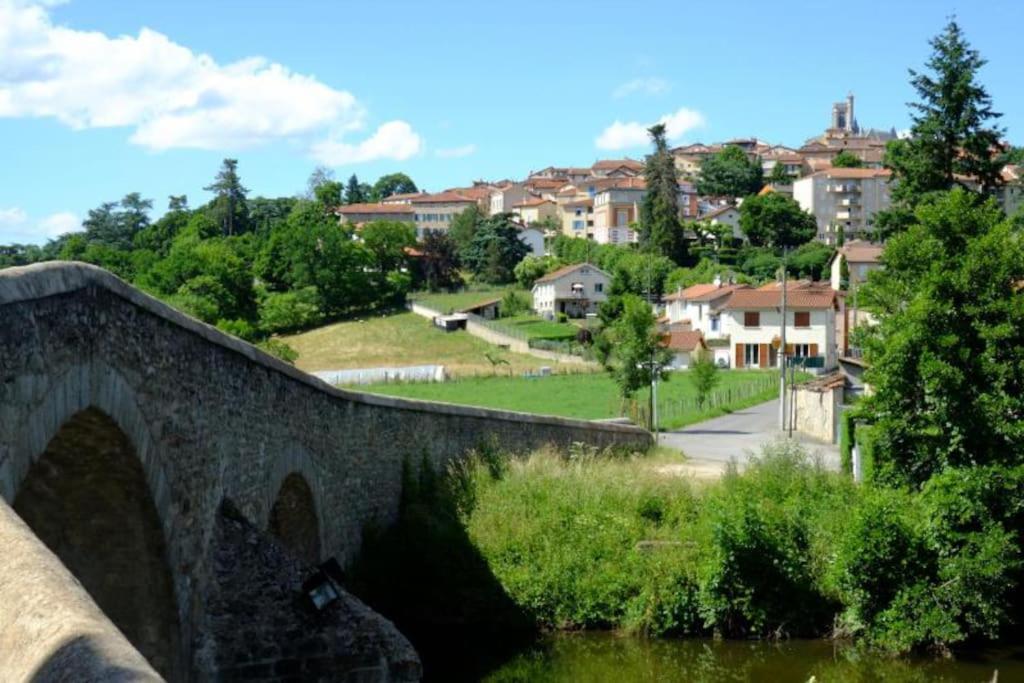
(388, 242)
(779, 176)
(630, 344)
(329, 193)
(730, 173)
(660, 229)
(776, 220)
(531, 268)
(319, 176)
(495, 250)
(158, 236)
(356, 192)
(704, 375)
(513, 303)
(947, 356)
(440, 262)
(846, 159)
(228, 207)
(393, 183)
(265, 213)
(464, 226)
(951, 138)
(809, 260)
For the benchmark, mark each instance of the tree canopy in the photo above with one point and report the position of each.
(393, 183)
(776, 220)
(730, 173)
(660, 229)
(495, 250)
(846, 159)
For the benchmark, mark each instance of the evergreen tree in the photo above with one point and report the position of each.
(229, 208)
(951, 139)
(356, 192)
(660, 229)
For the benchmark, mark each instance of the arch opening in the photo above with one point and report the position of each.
(87, 499)
(293, 519)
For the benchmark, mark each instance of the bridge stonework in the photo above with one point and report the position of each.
(209, 419)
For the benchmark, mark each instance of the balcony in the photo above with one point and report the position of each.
(849, 201)
(843, 188)
(844, 215)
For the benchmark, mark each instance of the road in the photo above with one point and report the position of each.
(710, 445)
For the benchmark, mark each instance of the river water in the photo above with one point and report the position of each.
(604, 657)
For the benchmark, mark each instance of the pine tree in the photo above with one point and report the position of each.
(660, 229)
(355, 192)
(229, 208)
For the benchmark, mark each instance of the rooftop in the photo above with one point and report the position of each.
(566, 270)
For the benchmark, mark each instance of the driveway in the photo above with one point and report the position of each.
(710, 445)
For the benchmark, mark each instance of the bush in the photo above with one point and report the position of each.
(280, 350)
(562, 318)
(288, 311)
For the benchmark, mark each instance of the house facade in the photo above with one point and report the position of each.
(573, 290)
(752, 320)
(685, 346)
(535, 209)
(357, 214)
(844, 198)
(435, 212)
(503, 198)
(698, 308)
(616, 207)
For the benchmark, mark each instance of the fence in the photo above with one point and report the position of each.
(672, 409)
(410, 373)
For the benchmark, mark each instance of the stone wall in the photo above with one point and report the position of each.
(212, 418)
(816, 407)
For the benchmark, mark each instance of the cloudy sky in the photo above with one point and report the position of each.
(99, 98)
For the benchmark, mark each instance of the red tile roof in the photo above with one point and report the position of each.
(853, 173)
(534, 201)
(799, 298)
(447, 197)
(705, 292)
(683, 340)
(859, 251)
(612, 164)
(375, 208)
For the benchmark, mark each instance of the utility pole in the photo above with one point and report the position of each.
(782, 352)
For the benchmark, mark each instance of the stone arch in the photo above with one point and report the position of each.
(294, 520)
(86, 496)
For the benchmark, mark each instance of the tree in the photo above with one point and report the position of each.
(356, 192)
(495, 250)
(704, 375)
(776, 220)
(440, 262)
(631, 344)
(464, 226)
(319, 176)
(159, 236)
(846, 159)
(115, 224)
(779, 176)
(531, 268)
(946, 359)
(809, 260)
(951, 139)
(393, 183)
(229, 208)
(660, 230)
(388, 242)
(730, 173)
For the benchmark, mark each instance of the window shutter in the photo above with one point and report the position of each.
(739, 355)
(814, 350)
(763, 356)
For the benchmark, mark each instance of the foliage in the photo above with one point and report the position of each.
(660, 229)
(228, 208)
(730, 173)
(279, 349)
(531, 268)
(808, 261)
(440, 262)
(357, 192)
(779, 175)
(288, 311)
(495, 250)
(703, 373)
(776, 220)
(951, 138)
(846, 159)
(464, 226)
(514, 304)
(393, 183)
(632, 345)
(947, 357)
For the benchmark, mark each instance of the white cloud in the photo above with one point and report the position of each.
(393, 140)
(651, 85)
(455, 152)
(16, 226)
(623, 135)
(171, 96)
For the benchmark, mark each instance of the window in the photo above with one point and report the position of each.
(802, 319)
(599, 287)
(577, 225)
(579, 211)
(621, 217)
(751, 355)
(751, 319)
(801, 350)
(714, 323)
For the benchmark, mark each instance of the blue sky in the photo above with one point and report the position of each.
(103, 97)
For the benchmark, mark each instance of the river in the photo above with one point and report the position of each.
(605, 657)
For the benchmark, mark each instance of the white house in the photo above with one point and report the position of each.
(699, 307)
(860, 258)
(752, 320)
(574, 290)
(725, 215)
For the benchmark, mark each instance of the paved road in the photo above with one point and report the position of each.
(738, 436)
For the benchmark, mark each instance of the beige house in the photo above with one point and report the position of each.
(573, 290)
(577, 215)
(504, 197)
(616, 208)
(358, 214)
(535, 210)
(844, 198)
(435, 212)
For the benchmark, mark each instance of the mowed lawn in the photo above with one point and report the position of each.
(398, 340)
(445, 302)
(588, 396)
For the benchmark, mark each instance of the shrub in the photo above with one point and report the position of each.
(280, 350)
(287, 311)
(562, 318)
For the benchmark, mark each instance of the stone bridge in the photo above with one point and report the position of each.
(189, 481)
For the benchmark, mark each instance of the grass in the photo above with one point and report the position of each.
(446, 302)
(538, 328)
(399, 340)
(587, 396)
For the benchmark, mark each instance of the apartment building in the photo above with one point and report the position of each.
(357, 214)
(435, 212)
(536, 209)
(616, 208)
(844, 198)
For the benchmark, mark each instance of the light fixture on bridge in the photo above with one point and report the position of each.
(324, 587)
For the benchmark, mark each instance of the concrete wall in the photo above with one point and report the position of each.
(212, 418)
(817, 412)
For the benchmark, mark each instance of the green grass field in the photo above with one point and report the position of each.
(403, 339)
(446, 302)
(593, 396)
(538, 328)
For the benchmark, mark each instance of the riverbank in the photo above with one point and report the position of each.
(787, 549)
